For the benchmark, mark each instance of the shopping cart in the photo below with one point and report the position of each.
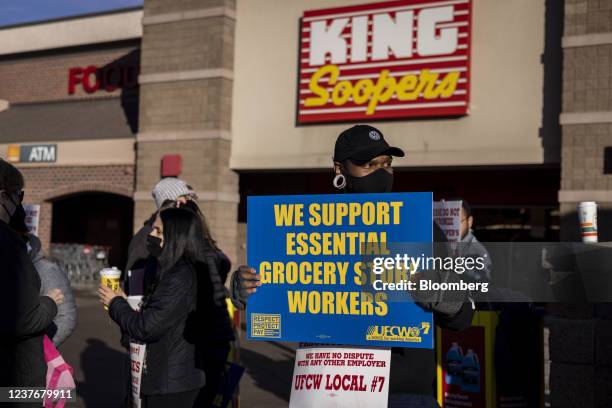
(81, 262)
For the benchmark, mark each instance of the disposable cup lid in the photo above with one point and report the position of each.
(110, 272)
(587, 203)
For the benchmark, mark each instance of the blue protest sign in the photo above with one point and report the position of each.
(313, 254)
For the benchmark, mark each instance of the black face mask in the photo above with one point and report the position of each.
(154, 245)
(12, 202)
(17, 221)
(379, 181)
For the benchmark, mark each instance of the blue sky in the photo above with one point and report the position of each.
(25, 11)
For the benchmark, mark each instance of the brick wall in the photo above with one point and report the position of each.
(44, 77)
(203, 168)
(186, 105)
(580, 334)
(587, 106)
(142, 212)
(587, 86)
(221, 219)
(165, 6)
(189, 45)
(171, 105)
(45, 184)
(587, 16)
(583, 157)
(202, 164)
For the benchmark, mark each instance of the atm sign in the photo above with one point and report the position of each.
(32, 153)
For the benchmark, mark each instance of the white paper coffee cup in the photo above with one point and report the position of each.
(111, 278)
(587, 216)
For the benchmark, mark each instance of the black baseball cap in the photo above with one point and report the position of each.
(362, 143)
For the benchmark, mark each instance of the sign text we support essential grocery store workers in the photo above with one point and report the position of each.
(385, 60)
(309, 252)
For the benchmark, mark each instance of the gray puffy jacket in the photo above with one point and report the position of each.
(52, 277)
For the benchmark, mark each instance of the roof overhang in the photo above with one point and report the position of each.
(85, 30)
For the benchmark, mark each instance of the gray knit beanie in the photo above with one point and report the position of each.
(169, 188)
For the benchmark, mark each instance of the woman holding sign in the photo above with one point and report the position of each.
(171, 375)
(363, 164)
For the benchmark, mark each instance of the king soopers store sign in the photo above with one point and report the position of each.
(398, 59)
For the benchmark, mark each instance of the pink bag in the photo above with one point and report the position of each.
(59, 374)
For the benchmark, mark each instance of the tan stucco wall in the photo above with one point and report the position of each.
(506, 93)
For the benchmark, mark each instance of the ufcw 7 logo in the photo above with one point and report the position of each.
(398, 333)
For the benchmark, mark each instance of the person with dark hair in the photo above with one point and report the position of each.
(141, 269)
(363, 164)
(165, 194)
(25, 314)
(215, 343)
(470, 247)
(172, 376)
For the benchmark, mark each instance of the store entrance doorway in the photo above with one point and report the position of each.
(96, 219)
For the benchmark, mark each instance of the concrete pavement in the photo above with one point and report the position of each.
(101, 364)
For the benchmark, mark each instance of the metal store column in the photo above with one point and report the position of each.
(185, 107)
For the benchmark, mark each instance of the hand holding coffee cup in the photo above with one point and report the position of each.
(107, 295)
(109, 285)
(56, 295)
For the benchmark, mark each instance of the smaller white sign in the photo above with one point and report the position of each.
(328, 377)
(32, 217)
(447, 214)
(137, 354)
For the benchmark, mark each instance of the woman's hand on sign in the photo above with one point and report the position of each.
(244, 283)
(56, 295)
(249, 279)
(107, 294)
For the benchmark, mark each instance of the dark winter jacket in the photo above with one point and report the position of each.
(25, 315)
(137, 259)
(212, 315)
(170, 360)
